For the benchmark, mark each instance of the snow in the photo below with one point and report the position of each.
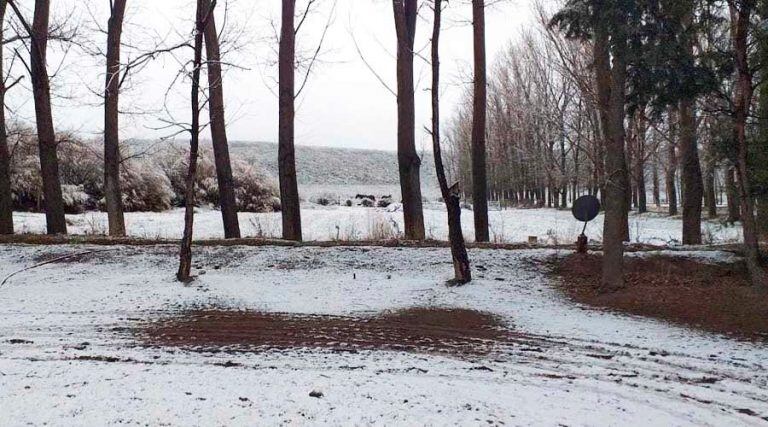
(322, 223)
(573, 366)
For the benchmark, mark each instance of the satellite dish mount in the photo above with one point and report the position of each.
(585, 209)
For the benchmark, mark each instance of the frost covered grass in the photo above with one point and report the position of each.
(67, 355)
(342, 223)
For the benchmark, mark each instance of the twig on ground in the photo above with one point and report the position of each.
(51, 261)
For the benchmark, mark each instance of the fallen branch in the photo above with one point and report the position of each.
(51, 261)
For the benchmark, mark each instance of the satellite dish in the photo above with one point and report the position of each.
(586, 208)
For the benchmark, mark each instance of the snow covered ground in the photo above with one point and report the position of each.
(358, 223)
(65, 357)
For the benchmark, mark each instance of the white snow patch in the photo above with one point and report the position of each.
(323, 223)
(576, 366)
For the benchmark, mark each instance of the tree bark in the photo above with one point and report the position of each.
(692, 183)
(6, 197)
(611, 93)
(185, 254)
(709, 189)
(409, 162)
(461, 268)
(762, 217)
(227, 200)
(46, 136)
(289, 188)
(672, 167)
(112, 192)
(479, 113)
(656, 186)
(743, 91)
(693, 186)
(642, 133)
(732, 196)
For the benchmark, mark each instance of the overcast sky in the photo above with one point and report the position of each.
(343, 105)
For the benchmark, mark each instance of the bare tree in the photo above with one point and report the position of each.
(409, 162)
(451, 195)
(289, 188)
(224, 178)
(289, 62)
(203, 13)
(49, 163)
(112, 193)
(6, 200)
(479, 169)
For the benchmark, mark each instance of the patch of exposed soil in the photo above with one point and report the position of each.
(714, 297)
(453, 332)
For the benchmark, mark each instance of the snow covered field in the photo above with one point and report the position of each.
(65, 357)
(358, 223)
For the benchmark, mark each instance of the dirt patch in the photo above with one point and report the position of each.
(714, 297)
(420, 330)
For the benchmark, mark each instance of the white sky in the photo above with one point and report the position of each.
(344, 104)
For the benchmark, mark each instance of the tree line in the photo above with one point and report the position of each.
(604, 94)
(688, 74)
(204, 44)
(623, 100)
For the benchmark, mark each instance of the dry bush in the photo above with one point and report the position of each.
(254, 191)
(149, 183)
(382, 228)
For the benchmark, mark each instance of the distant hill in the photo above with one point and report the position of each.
(334, 166)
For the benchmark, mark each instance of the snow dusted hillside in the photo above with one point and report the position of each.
(336, 166)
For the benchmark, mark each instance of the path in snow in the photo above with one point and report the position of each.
(66, 355)
(358, 223)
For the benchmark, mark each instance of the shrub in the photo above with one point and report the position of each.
(26, 182)
(254, 191)
(153, 183)
(384, 202)
(326, 199)
(75, 198)
(144, 188)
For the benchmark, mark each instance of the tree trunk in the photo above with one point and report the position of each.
(762, 217)
(461, 268)
(6, 197)
(709, 190)
(732, 196)
(656, 185)
(227, 199)
(693, 186)
(692, 183)
(642, 133)
(409, 162)
(185, 254)
(289, 188)
(112, 192)
(672, 168)
(479, 180)
(610, 88)
(46, 136)
(743, 91)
